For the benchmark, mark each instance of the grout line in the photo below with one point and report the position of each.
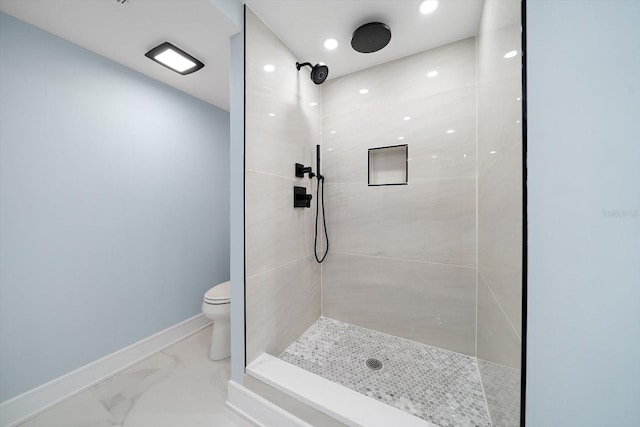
(484, 393)
(399, 338)
(403, 260)
(440, 178)
(477, 210)
(321, 103)
(499, 364)
(500, 305)
(512, 270)
(278, 267)
(289, 178)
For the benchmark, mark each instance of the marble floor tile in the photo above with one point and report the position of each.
(437, 385)
(177, 387)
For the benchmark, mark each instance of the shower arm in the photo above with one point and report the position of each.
(304, 64)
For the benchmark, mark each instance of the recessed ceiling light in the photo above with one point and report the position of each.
(330, 44)
(432, 73)
(510, 54)
(434, 156)
(364, 91)
(451, 131)
(400, 138)
(332, 132)
(174, 58)
(272, 115)
(518, 99)
(313, 104)
(329, 149)
(492, 152)
(269, 68)
(406, 118)
(428, 6)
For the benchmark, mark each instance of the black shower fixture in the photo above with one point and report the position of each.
(371, 37)
(319, 73)
(301, 170)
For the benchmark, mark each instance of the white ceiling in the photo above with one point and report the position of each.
(303, 25)
(125, 32)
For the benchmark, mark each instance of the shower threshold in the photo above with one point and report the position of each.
(434, 385)
(345, 405)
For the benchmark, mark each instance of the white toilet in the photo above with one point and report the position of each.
(215, 306)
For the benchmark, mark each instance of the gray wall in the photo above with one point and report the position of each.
(583, 334)
(403, 257)
(500, 208)
(113, 206)
(283, 278)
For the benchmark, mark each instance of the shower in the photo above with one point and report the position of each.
(406, 315)
(319, 73)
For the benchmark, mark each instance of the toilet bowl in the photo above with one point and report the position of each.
(215, 306)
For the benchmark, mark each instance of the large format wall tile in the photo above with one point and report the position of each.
(430, 303)
(405, 78)
(500, 208)
(276, 232)
(281, 305)
(425, 133)
(421, 285)
(429, 220)
(498, 342)
(282, 128)
(282, 125)
(506, 286)
(500, 222)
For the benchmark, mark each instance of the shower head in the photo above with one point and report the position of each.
(319, 73)
(371, 37)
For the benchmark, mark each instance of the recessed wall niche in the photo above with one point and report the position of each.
(389, 165)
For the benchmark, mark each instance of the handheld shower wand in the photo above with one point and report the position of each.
(320, 259)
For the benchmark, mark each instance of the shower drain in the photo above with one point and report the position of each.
(374, 364)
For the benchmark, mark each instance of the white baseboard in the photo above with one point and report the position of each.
(258, 410)
(37, 400)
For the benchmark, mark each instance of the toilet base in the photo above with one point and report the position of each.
(220, 341)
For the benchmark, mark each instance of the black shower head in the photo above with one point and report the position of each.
(371, 37)
(319, 73)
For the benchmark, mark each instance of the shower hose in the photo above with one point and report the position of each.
(324, 221)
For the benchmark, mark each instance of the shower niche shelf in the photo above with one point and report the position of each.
(389, 165)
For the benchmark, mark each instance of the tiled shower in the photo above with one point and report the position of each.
(430, 267)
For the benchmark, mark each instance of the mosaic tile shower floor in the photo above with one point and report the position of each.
(437, 385)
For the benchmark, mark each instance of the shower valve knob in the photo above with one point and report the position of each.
(300, 198)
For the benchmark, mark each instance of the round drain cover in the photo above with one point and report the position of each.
(374, 364)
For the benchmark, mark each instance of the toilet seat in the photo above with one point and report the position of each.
(219, 294)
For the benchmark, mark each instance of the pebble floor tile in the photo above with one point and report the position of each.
(502, 390)
(437, 385)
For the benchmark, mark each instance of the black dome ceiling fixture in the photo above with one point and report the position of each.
(371, 37)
